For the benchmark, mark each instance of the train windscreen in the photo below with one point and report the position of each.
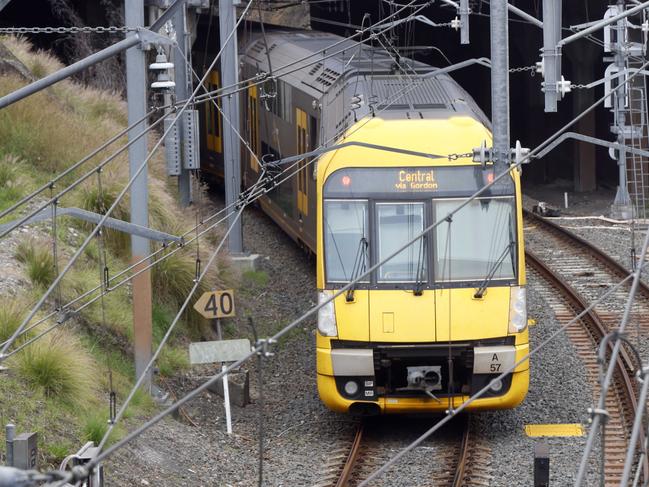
(479, 243)
(346, 235)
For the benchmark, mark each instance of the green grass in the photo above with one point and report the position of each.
(172, 361)
(56, 452)
(95, 427)
(59, 367)
(38, 260)
(173, 279)
(11, 315)
(258, 279)
(162, 318)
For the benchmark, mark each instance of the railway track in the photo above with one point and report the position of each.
(460, 461)
(573, 273)
(588, 270)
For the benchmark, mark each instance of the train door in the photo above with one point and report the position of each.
(401, 308)
(213, 119)
(301, 120)
(253, 127)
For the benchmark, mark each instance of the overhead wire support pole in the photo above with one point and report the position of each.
(136, 93)
(231, 147)
(500, 83)
(464, 21)
(182, 92)
(551, 53)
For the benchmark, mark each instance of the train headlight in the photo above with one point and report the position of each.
(517, 310)
(327, 315)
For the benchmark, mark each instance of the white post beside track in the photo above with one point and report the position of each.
(226, 388)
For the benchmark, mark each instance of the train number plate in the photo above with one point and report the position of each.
(493, 360)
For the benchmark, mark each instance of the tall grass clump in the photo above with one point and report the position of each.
(173, 279)
(92, 199)
(59, 367)
(11, 315)
(12, 185)
(38, 261)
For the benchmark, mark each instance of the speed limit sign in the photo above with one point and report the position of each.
(216, 304)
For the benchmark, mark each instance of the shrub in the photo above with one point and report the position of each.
(59, 366)
(39, 262)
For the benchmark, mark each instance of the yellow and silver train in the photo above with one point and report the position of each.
(435, 324)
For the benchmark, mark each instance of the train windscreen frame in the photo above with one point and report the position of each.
(376, 187)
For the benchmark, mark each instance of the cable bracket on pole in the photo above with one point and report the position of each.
(264, 346)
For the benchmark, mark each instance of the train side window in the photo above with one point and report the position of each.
(253, 126)
(213, 118)
(345, 239)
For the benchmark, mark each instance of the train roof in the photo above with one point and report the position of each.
(354, 80)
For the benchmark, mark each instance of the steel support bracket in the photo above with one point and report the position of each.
(149, 39)
(483, 154)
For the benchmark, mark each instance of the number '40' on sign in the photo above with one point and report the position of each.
(216, 304)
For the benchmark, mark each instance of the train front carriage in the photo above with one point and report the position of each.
(437, 322)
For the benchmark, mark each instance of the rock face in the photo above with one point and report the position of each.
(9, 64)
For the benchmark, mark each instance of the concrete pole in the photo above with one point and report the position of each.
(182, 92)
(231, 147)
(136, 78)
(621, 207)
(500, 84)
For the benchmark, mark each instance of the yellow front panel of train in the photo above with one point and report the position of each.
(462, 317)
(401, 316)
(352, 317)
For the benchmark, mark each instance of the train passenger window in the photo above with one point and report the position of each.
(480, 243)
(345, 239)
(398, 223)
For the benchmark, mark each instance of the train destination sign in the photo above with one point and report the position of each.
(216, 304)
(416, 180)
(441, 181)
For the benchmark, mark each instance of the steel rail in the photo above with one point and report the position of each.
(350, 461)
(463, 457)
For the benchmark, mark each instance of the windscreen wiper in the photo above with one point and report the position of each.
(419, 283)
(492, 271)
(358, 268)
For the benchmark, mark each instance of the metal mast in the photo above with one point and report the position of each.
(136, 77)
(231, 148)
(182, 92)
(500, 84)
